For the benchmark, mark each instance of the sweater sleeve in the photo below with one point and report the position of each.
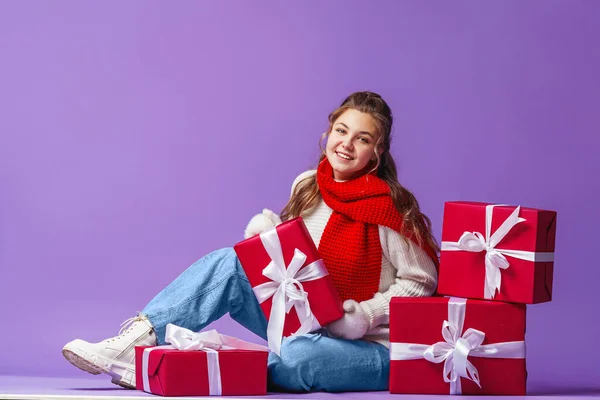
(416, 275)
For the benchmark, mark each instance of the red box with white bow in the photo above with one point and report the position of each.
(290, 281)
(456, 346)
(202, 364)
(498, 252)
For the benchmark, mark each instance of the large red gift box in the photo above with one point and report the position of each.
(173, 372)
(290, 239)
(521, 263)
(417, 323)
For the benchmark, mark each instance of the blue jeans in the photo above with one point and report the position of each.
(216, 284)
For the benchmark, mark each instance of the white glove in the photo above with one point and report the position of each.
(262, 222)
(353, 325)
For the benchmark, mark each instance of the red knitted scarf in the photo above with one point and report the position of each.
(350, 245)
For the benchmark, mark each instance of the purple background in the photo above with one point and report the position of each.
(138, 136)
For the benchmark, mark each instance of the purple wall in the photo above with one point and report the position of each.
(138, 136)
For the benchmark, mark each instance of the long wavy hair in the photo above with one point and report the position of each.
(306, 194)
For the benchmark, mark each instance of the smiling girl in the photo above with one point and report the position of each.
(374, 240)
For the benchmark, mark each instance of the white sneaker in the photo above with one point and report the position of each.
(114, 356)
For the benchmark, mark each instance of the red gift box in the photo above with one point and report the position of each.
(168, 371)
(282, 249)
(521, 263)
(497, 362)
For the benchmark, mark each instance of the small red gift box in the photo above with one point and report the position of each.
(289, 280)
(236, 368)
(457, 346)
(497, 252)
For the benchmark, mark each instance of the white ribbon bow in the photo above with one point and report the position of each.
(495, 259)
(185, 339)
(286, 289)
(455, 349)
(209, 342)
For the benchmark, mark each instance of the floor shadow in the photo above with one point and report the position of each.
(565, 391)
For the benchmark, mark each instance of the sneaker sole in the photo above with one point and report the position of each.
(91, 367)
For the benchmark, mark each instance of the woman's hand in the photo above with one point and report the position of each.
(353, 325)
(262, 222)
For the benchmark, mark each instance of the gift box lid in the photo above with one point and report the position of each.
(470, 216)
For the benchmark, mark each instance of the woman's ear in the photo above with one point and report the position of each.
(374, 157)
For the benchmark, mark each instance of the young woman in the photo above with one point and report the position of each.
(375, 242)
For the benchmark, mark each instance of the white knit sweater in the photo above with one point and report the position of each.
(406, 270)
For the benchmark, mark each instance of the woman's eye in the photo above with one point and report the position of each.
(341, 130)
(364, 140)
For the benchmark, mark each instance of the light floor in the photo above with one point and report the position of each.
(97, 388)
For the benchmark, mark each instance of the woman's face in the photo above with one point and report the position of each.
(351, 144)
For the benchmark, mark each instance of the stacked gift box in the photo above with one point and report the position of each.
(495, 259)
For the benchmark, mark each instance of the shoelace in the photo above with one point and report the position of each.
(126, 326)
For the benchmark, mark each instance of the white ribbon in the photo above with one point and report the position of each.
(286, 289)
(209, 342)
(455, 349)
(495, 259)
